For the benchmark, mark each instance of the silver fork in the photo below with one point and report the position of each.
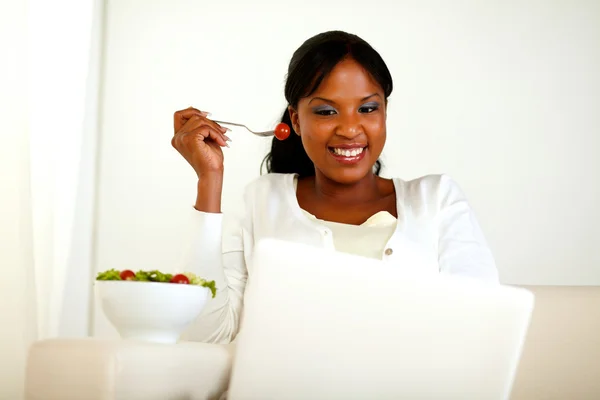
(262, 134)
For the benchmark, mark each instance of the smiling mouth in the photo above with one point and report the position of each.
(348, 156)
(349, 153)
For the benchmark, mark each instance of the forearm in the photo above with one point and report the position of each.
(210, 188)
(207, 257)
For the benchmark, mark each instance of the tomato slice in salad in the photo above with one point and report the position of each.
(127, 275)
(180, 278)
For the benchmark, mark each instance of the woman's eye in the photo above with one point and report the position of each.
(324, 112)
(368, 108)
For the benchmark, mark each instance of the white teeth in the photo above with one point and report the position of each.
(347, 152)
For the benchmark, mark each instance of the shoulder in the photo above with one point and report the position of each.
(434, 191)
(269, 181)
(269, 186)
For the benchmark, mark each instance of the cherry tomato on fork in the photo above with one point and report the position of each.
(180, 278)
(282, 131)
(127, 275)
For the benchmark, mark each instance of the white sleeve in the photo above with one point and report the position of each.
(462, 248)
(218, 257)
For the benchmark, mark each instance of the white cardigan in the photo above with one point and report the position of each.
(435, 221)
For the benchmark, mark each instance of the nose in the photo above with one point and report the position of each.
(349, 125)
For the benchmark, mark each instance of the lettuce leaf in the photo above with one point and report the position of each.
(196, 280)
(211, 285)
(110, 275)
(157, 276)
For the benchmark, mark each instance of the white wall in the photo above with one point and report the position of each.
(504, 96)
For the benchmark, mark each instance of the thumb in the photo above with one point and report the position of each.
(181, 117)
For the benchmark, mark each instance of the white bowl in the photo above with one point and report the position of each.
(151, 311)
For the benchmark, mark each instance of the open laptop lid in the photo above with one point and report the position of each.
(325, 325)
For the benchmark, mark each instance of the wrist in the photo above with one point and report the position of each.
(211, 176)
(210, 188)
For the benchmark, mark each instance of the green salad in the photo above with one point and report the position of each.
(186, 278)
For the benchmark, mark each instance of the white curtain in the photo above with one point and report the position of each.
(49, 98)
(17, 310)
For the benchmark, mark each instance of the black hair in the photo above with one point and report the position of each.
(309, 65)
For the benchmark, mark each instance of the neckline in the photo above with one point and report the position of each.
(301, 213)
(386, 219)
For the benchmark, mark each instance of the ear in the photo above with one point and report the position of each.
(295, 120)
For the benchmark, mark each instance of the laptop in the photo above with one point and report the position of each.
(320, 324)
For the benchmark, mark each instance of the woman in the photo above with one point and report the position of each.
(323, 186)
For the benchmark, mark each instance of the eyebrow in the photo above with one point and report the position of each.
(333, 102)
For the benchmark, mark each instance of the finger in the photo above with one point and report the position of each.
(196, 121)
(208, 133)
(196, 125)
(181, 117)
(188, 112)
(216, 126)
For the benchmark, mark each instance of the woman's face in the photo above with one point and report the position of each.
(342, 124)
